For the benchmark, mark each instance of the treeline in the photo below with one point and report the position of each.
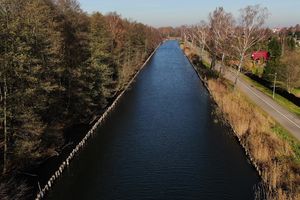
(170, 32)
(232, 40)
(284, 61)
(60, 66)
(228, 38)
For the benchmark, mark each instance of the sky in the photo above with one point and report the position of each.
(159, 13)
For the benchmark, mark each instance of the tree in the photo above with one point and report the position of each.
(26, 50)
(274, 48)
(75, 50)
(290, 70)
(221, 28)
(117, 31)
(291, 44)
(59, 67)
(249, 32)
(202, 35)
(102, 66)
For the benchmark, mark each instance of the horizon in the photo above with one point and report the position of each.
(174, 12)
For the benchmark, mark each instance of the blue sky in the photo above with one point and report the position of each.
(179, 12)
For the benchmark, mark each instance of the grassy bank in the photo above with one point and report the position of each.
(278, 98)
(272, 150)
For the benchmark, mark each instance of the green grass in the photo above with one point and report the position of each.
(278, 98)
(206, 64)
(296, 92)
(292, 141)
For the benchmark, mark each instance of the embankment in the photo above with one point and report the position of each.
(68, 158)
(274, 153)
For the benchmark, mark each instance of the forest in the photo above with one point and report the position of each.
(59, 66)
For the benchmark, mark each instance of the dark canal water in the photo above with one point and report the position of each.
(160, 143)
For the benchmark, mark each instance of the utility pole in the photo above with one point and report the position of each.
(274, 86)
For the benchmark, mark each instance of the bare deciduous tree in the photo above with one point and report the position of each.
(201, 32)
(221, 28)
(116, 27)
(249, 32)
(188, 34)
(290, 71)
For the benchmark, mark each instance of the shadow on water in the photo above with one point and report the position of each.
(160, 142)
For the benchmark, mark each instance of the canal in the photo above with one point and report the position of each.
(160, 142)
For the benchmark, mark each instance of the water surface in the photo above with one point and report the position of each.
(160, 143)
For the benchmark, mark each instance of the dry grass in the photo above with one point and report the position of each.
(273, 156)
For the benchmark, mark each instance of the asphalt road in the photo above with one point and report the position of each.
(288, 120)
